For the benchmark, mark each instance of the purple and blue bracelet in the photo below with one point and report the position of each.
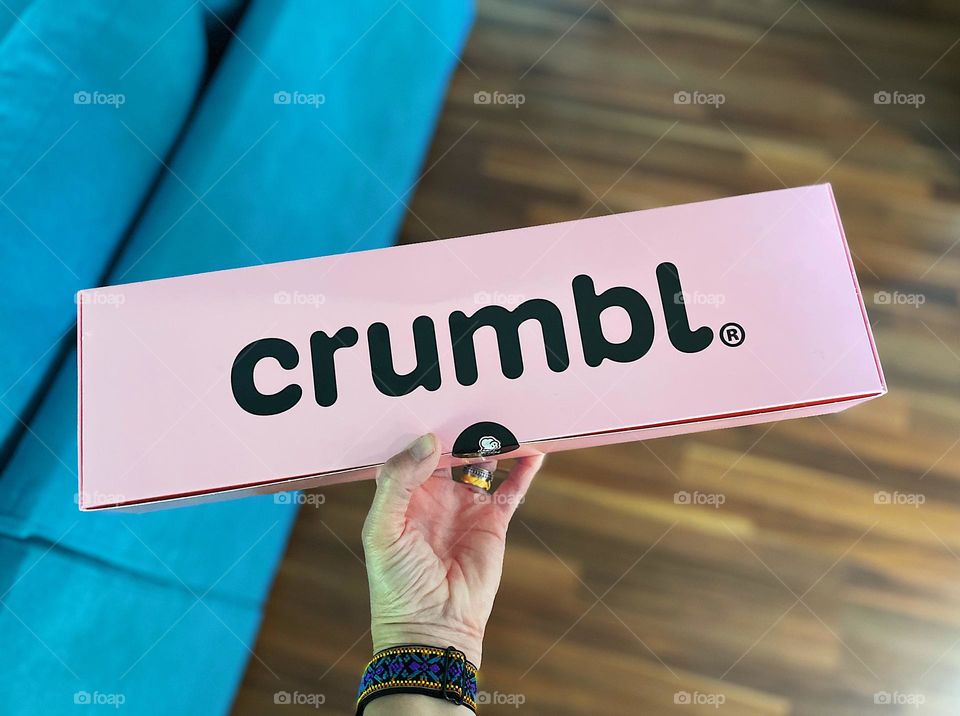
(418, 669)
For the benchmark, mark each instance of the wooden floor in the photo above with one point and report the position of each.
(800, 594)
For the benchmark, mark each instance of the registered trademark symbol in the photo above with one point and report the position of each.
(732, 334)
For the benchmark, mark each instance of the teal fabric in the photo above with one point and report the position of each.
(253, 180)
(73, 171)
(68, 625)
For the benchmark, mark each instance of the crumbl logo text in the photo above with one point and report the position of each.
(589, 301)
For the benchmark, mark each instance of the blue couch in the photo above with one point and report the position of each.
(123, 159)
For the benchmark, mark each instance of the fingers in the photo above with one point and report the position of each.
(396, 482)
(512, 491)
(490, 465)
(443, 473)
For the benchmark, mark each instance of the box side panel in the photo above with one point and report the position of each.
(282, 486)
(856, 286)
(80, 500)
(541, 447)
(548, 446)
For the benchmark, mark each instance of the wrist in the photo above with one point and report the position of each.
(444, 675)
(414, 705)
(470, 642)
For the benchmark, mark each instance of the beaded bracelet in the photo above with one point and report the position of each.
(418, 669)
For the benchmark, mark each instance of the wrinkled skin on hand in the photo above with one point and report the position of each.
(434, 550)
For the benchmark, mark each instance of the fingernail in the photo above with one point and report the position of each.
(422, 448)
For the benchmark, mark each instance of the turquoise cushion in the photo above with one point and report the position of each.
(253, 180)
(77, 631)
(83, 86)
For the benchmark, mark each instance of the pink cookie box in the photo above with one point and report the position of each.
(624, 327)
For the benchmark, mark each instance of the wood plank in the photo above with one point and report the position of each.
(713, 607)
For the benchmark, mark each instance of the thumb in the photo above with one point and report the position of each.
(514, 489)
(397, 480)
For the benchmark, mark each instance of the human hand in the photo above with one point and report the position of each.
(434, 550)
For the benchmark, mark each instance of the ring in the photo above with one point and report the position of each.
(476, 477)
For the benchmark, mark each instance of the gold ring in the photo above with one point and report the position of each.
(475, 476)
